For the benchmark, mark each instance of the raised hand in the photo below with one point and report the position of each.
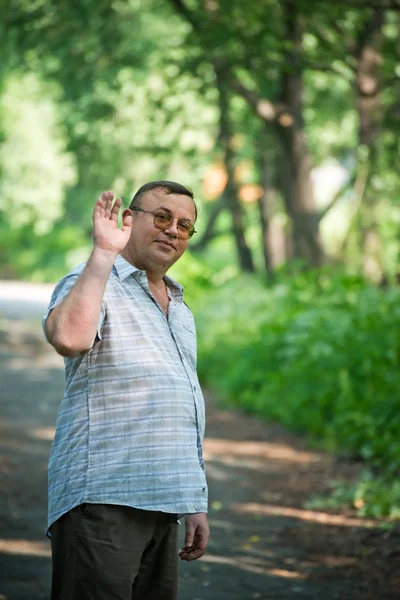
(106, 234)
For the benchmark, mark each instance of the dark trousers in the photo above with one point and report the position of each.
(108, 552)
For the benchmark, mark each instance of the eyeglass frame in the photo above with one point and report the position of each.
(191, 232)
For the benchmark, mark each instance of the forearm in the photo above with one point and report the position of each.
(72, 325)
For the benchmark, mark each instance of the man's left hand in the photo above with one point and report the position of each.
(196, 538)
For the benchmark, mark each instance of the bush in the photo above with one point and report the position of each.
(318, 353)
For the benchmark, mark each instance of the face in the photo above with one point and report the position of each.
(153, 249)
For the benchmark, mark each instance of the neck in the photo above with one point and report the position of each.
(154, 276)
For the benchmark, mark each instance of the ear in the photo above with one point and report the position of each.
(127, 212)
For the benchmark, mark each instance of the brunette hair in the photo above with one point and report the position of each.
(168, 187)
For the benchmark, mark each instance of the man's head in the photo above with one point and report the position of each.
(168, 187)
(163, 218)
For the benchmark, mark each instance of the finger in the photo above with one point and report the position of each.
(117, 205)
(190, 530)
(200, 544)
(103, 202)
(194, 555)
(98, 209)
(189, 537)
(108, 198)
(115, 209)
(188, 549)
(196, 550)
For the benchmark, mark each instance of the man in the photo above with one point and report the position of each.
(126, 461)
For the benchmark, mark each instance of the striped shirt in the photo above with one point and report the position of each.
(131, 422)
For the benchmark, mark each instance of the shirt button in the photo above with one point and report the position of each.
(195, 388)
(203, 489)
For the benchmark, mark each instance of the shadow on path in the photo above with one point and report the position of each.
(263, 545)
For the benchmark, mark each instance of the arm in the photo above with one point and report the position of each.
(196, 538)
(71, 326)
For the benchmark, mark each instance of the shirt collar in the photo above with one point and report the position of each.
(124, 269)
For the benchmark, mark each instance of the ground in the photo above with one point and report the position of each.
(264, 543)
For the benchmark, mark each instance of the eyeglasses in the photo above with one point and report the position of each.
(163, 220)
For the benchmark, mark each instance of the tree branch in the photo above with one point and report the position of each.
(360, 185)
(325, 68)
(210, 232)
(371, 27)
(23, 18)
(338, 196)
(336, 27)
(185, 12)
(265, 108)
(212, 235)
(322, 37)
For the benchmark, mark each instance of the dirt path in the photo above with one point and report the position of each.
(264, 544)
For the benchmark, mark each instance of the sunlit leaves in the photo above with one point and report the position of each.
(138, 95)
(35, 165)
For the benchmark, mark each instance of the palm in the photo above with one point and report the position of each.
(106, 233)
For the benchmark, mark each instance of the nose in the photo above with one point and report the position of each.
(172, 229)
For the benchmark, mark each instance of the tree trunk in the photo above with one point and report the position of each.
(369, 59)
(265, 211)
(295, 165)
(273, 239)
(209, 231)
(231, 190)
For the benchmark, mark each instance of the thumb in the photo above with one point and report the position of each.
(189, 537)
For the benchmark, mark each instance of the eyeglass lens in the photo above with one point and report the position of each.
(163, 220)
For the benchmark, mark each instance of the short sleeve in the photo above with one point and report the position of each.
(62, 289)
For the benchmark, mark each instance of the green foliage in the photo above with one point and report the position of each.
(377, 496)
(97, 95)
(91, 99)
(43, 257)
(195, 276)
(373, 496)
(318, 353)
(36, 167)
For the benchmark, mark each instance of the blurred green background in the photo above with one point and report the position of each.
(283, 116)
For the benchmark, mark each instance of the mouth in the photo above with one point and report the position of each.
(166, 244)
